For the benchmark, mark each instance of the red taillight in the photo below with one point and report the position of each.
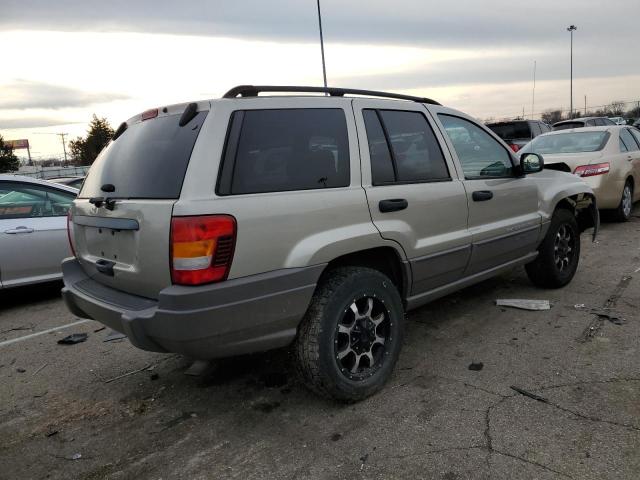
(201, 248)
(514, 147)
(70, 233)
(149, 114)
(592, 170)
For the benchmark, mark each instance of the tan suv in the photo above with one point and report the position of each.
(239, 225)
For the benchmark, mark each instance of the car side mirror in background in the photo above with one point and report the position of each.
(531, 163)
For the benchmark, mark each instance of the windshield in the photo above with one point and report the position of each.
(511, 130)
(574, 142)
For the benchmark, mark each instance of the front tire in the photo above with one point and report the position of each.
(351, 335)
(558, 254)
(623, 212)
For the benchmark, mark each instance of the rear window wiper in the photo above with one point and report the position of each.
(109, 203)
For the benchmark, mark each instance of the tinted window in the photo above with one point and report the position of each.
(569, 142)
(606, 121)
(628, 140)
(379, 154)
(535, 129)
(479, 153)
(623, 147)
(568, 125)
(285, 149)
(511, 130)
(544, 127)
(414, 147)
(23, 200)
(149, 160)
(636, 134)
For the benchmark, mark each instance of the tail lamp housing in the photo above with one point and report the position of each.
(592, 170)
(514, 147)
(202, 248)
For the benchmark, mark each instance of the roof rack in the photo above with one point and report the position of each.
(253, 90)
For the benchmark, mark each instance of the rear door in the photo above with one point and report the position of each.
(503, 208)
(33, 232)
(122, 217)
(414, 194)
(631, 138)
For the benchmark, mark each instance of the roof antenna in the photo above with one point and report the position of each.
(324, 68)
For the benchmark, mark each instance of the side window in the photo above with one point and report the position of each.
(623, 147)
(479, 153)
(629, 141)
(590, 123)
(403, 148)
(545, 128)
(382, 169)
(285, 149)
(23, 200)
(636, 134)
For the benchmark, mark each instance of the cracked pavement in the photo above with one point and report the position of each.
(246, 418)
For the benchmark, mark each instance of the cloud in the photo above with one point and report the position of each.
(32, 122)
(28, 94)
(467, 23)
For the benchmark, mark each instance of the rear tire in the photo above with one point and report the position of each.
(623, 212)
(558, 254)
(351, 335)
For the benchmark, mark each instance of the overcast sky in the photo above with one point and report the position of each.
(64, 60)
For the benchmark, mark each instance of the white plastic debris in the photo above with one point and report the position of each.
(524, 304)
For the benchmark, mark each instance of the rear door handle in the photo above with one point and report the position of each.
(16, 230)
(392, 205)
(482, 195)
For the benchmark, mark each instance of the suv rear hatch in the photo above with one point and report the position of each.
(121, 219)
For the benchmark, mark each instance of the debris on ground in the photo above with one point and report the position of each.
(39, 369)
(113, 335)
(75, 456)
(99, 329)
(602, 313)
(521, 391)
(476, 366)
(20, 370)
(73, 339)
(524, 304)
(148, 367)
(154, 376)
(51, 433)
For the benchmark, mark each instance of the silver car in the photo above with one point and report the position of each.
(33, 230)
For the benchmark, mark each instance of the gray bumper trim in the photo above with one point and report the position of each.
(234, 317)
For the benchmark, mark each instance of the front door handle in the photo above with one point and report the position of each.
(16, 230)
(482, 195)
(392, 205)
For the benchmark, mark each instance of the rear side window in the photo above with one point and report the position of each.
(403, 148)
(285, 149)
(628, 140)
(535, 129)
(148, 160)
(25, 200)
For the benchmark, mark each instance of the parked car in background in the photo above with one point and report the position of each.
(607, 158)
(75, 182)
(517, 133)
(582, 122)
(308, 220)
(33, 229)
(618, 120)
(636, 123)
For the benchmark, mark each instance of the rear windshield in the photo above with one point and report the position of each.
(511, 130)
(568, 125)
(574, 142)
(149, 160)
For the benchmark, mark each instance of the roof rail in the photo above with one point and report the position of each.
(253, 90)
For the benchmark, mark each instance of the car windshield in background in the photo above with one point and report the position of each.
(508, 131)
(573, 142)
(568, 125)
(149, 160)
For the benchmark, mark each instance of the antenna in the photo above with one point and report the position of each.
(324, 68)
(533, 96)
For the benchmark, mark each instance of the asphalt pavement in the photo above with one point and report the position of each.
(99, 409)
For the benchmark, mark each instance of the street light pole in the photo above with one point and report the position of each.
(571, 29)
(324, 68)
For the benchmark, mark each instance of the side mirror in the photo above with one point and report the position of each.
(531, 163)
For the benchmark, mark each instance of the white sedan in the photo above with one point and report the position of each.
(33, 230)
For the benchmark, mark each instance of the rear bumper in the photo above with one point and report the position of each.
(239, 316)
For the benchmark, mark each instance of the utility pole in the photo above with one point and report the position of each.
(64, 147)
(324, 68)
(585, 105)
(533, 98)
(571, 29)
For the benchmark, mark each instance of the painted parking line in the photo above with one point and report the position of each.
(27, 337)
